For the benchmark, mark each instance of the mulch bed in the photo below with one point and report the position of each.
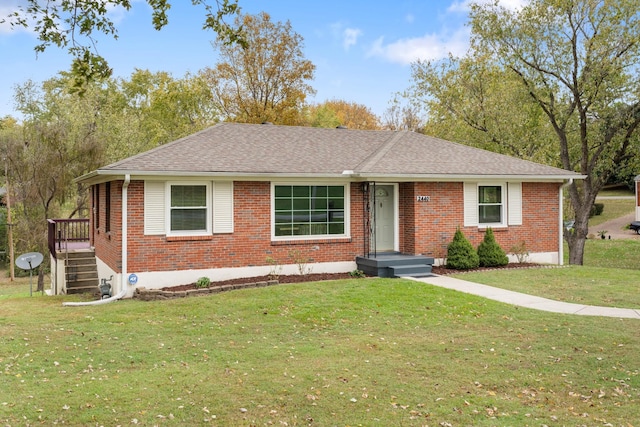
(316, 277)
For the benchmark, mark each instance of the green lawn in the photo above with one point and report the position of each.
(355, 352)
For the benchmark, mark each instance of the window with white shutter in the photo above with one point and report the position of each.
(188, 208)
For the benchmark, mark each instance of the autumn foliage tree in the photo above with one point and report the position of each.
(268, 81)
(337, 112)
(405, 113)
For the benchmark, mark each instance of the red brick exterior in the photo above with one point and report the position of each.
(249, 245)
(428, 227)
(425, 228)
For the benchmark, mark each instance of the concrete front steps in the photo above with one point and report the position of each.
(395, 265)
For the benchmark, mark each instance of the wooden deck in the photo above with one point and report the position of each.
(66, 235)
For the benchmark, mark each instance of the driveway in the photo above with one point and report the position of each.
(616, 228)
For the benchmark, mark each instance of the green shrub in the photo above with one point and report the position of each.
(490, 253)
(596, 209)
(203, 282)
(460, 253)
(357, 274)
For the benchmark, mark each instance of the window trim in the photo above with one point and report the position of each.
(504, 197)
(347, 211)
(208, 207)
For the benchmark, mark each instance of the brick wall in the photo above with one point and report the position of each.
(249, 245)
(430, 225)
(107, 244)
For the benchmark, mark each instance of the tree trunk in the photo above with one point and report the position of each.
(576, 248)
(583, 196)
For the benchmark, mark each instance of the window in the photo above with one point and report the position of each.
(188, 209)
(309, 210)
(490, 204)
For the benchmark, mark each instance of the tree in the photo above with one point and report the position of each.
(472, 100)
(73, 25)
(55, 143)
(266, 82)
(577, 61)
(338, 112)
(160, 109)
(403, 117)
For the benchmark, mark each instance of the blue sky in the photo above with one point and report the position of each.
(362, 49)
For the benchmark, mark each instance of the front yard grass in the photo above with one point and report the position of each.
(352, 352)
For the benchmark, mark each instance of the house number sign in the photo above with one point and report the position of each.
(423, 198)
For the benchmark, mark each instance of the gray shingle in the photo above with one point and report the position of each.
(243, 149)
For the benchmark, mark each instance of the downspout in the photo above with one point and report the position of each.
(561, 219)
(123, 290)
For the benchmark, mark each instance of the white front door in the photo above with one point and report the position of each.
(383, 238)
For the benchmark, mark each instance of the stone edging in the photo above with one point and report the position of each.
(145, 294)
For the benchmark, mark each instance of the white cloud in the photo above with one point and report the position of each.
(350, 37)
(464, 5)
(427, 47)
(346, 36)
(409, 18)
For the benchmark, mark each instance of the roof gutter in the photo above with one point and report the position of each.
(102, 175)
(561, 221)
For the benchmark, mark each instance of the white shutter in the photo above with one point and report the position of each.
(154, 207)
(514, 203)
(470, 204)
(223, 207)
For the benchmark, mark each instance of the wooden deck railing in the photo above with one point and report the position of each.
(65, 234)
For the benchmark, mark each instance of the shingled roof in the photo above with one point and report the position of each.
(232, 149)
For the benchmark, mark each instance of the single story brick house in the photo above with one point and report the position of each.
(238, 200)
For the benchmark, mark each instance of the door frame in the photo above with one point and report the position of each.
(396, 216)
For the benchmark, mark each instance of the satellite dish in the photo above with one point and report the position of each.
(30, 260)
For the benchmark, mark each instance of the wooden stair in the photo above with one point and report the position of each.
(81, 272)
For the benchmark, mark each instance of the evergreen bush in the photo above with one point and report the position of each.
(490, 253)
(460, 253)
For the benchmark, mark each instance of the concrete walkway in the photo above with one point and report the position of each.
(528, 301)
